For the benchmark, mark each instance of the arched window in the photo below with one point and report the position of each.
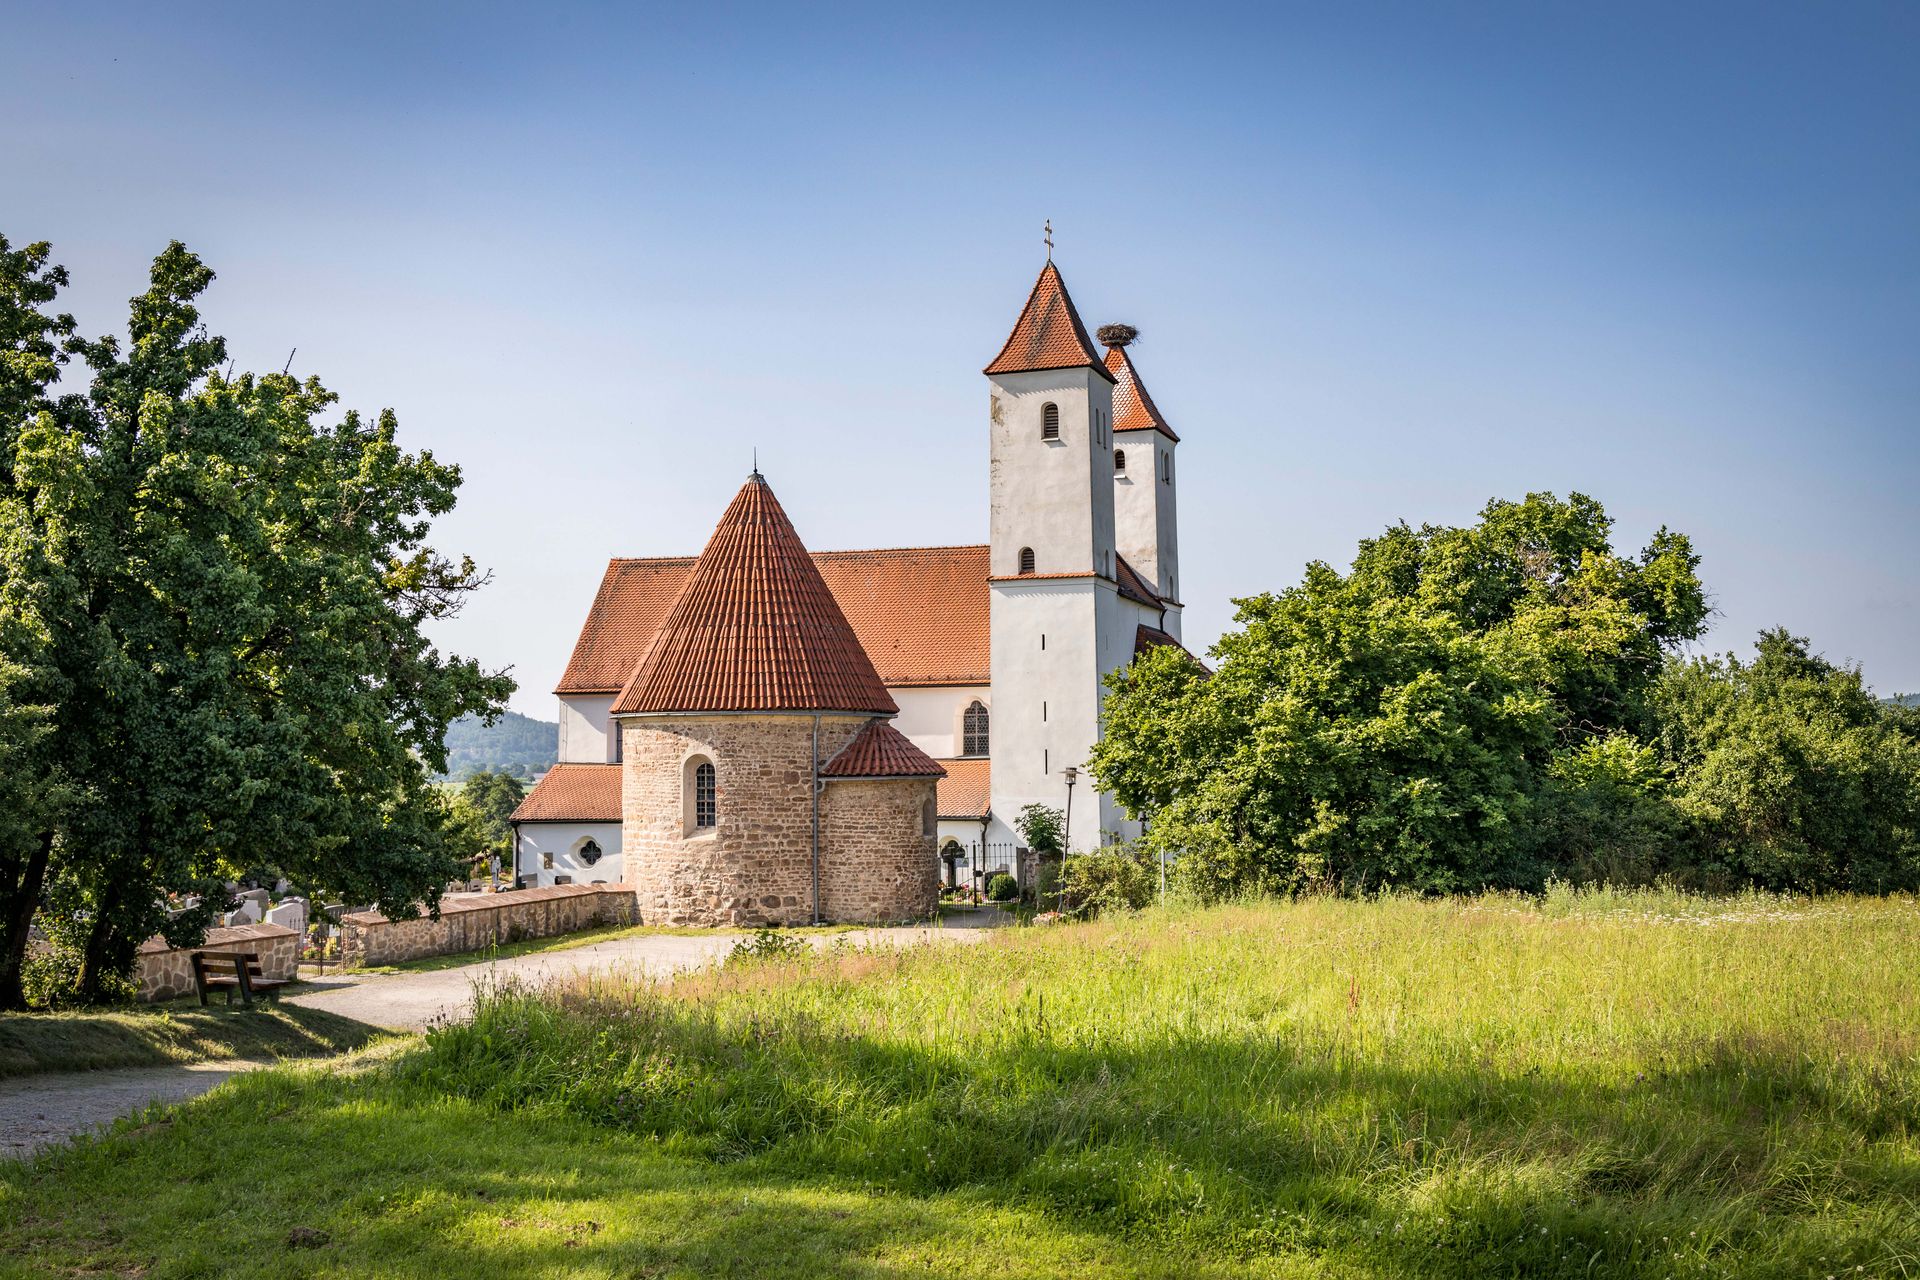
(1049, 421)
(699, 796)
(1119, 459)
(589, 851)
(704, 812)
(973, 730)
(1026, 559)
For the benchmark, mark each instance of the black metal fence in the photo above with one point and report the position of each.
(971, 864)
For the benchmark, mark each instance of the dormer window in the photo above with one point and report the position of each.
(1026, 559)
(1119, 460)
(1050, 421)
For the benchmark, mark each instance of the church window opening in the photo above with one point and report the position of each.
(546, 859)
(1119, 459)
(1026, 559)
(590, 851)
(703, 799)
(1050, 421)
(973, 730)
(699, 796)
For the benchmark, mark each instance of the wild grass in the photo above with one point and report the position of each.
(1636, 1084)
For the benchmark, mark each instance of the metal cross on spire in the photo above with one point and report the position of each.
(1049, 239)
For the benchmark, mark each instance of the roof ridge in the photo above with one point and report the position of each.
(1048, 333)
(1133, 407)
(754, 628)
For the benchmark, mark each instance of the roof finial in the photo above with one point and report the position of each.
(1049, 239)
(756, 465)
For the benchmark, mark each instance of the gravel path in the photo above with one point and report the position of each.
(40, 1110)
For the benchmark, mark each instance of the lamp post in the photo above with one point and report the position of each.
(1066, 830)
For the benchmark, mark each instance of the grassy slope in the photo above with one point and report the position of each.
(1621, 1087)
(152, 1037)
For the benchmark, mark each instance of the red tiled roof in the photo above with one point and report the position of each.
(1133, 408)
(1132, 585)
(964, 791)
(920, 613)
(755, 628)
(573, 793)
(1146, 637)
(1048, 334)
(881, 751)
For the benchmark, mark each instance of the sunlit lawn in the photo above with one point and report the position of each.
(1616, 1085)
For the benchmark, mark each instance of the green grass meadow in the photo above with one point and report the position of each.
(1598, 1085)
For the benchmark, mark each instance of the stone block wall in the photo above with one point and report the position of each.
(755, 866)
(877, 858)
(166, 973)
(473, 924)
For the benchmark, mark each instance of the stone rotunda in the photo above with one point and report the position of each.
(761, 779)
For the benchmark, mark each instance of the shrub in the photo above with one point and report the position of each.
(766, 945)
(1119, 878)
(1002, 887)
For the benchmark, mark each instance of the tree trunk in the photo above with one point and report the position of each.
(96, 959)
(16, 923)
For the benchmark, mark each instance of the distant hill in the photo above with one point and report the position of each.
(1905, 699)
(517, 744)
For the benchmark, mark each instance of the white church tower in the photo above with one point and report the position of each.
(1058, 621)
(1145, 516)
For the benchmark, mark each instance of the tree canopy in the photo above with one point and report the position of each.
(1401, 723)
(213, 596)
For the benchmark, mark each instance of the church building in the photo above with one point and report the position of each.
(753, 726)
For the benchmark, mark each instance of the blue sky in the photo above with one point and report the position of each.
(1388, 262)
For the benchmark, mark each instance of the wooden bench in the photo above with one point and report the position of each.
(230, 972)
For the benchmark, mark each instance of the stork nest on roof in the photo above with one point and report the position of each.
(1116, 335)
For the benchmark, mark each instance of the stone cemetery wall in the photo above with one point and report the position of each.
(165, 973)
(473, 924)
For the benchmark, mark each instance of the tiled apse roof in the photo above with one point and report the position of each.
(755, 628)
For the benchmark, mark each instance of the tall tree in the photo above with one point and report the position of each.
(233, 592)
(1397, 724)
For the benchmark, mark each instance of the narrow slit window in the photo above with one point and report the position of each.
(1026, 559)
(1119, 459)
(1050, 421)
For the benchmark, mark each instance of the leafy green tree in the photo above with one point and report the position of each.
(1042, 827)
(1399, 724)
(481, 809)
(226, 593)
(1793, 774)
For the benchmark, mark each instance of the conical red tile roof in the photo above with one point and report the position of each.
(1048, 334)
(1133, 408)
(755, 629)
(882, 751)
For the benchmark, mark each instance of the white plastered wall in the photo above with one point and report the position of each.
(587, 735)
(564, 840)
(930, 715)
(1144, 511)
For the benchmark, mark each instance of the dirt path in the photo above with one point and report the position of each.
(40, 1110)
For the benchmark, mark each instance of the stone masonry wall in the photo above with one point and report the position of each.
(755, 866)
(166, 973)
(369, 938)
(877, 862)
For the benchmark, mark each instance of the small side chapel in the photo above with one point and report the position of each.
(760, 734)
